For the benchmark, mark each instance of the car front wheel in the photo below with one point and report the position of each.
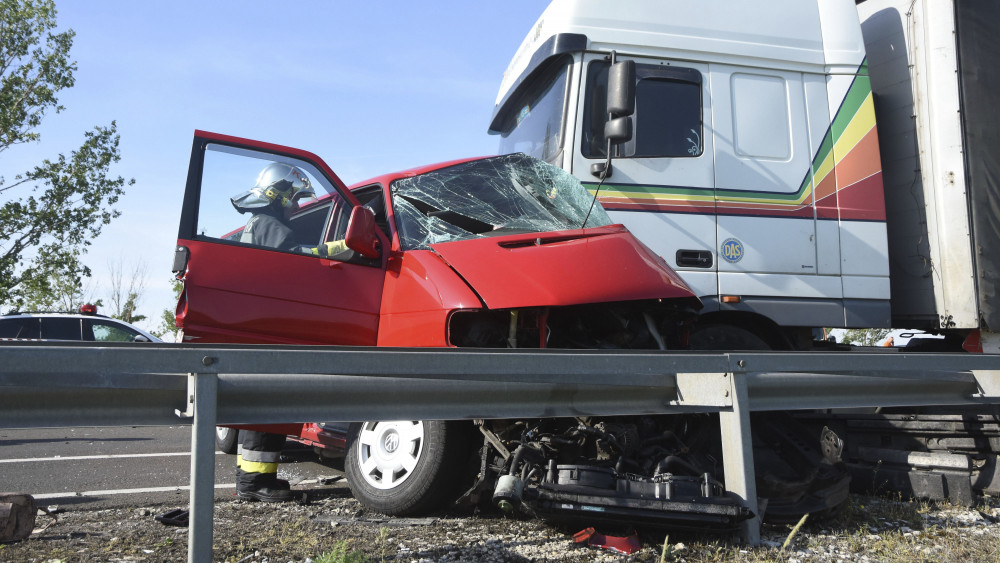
(226, 439)
(404, 467)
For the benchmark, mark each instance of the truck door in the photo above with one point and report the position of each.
(763, 181)
(237, 291)
(662, 184)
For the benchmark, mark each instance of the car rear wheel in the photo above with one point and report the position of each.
(226, 439)
(403, 467)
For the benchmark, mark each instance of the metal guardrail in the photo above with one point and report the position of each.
(43, 385)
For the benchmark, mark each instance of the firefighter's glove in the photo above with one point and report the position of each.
(330, 248)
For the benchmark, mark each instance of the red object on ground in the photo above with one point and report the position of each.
(627, 545)
(973, 343)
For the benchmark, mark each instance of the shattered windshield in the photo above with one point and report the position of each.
(504, 195)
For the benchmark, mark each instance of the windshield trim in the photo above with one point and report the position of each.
(558, 44)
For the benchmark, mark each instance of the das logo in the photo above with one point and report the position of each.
(731, 250)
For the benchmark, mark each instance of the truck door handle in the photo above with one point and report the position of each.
(694, 258)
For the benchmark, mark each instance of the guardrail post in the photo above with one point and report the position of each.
(202, 396)
(737, 454)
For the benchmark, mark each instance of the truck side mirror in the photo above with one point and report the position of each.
(361, 237)
(621, 89)
(618, 129)
(621, 106)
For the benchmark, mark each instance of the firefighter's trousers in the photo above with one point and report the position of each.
(257, 460)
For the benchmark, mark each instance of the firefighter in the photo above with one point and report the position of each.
(271, 201)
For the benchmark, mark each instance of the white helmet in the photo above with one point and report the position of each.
(278, 183)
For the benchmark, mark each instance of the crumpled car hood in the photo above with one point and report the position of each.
(596, 265)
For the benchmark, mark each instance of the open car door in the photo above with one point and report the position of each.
(239, 291)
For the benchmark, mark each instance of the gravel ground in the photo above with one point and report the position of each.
(869, 529)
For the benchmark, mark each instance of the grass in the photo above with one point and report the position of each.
(342, 553)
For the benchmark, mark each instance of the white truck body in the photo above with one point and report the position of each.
(916, 62)
(755, 166)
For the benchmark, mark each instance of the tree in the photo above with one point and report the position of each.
(168, 322)
(126, 293)
(865, 336)
(62, 290)
(49, 214)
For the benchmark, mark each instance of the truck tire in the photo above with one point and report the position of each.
(226, 439)
(405, 467)
(725, 338)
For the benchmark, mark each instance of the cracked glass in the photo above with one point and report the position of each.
(510, 194)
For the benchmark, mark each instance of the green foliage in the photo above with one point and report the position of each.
(126, 291)
(168, 322)
(341, 553)
(865, 336)
(49, 214)
(55, 288)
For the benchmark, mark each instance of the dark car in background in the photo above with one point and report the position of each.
(85, 326)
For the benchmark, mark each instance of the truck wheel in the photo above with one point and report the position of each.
(226, 439)
(403, 467)
(726, 337)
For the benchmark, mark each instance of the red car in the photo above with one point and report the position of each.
(494, 252)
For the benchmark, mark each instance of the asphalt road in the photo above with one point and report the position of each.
(121, 467)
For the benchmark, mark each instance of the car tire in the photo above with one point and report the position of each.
(226, 439)
(405, 467)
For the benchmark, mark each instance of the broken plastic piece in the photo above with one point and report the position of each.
(590, 537)
(178, 517)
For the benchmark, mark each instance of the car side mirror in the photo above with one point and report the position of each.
(361, 237)
(140, 338)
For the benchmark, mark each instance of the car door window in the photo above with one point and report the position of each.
(668, 112)
(61, 329)
(243, 202)
(105, 331)
(20, 328)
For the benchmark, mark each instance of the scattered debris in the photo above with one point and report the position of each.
(177, 517)
(17, 516)
(590, 537)
(383, 521)
(794, 531)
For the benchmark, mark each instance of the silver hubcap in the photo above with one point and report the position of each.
(388, 451)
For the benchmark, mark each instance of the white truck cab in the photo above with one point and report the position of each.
(753, 167)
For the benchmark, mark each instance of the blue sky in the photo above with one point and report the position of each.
(371, 87)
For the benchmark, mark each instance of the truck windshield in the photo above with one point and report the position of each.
(503, 195)
(534, 121)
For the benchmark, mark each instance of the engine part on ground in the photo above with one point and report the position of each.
(508, 493)
(602, 495)
(799, 467)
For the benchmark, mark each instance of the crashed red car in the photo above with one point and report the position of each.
(505, 251)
